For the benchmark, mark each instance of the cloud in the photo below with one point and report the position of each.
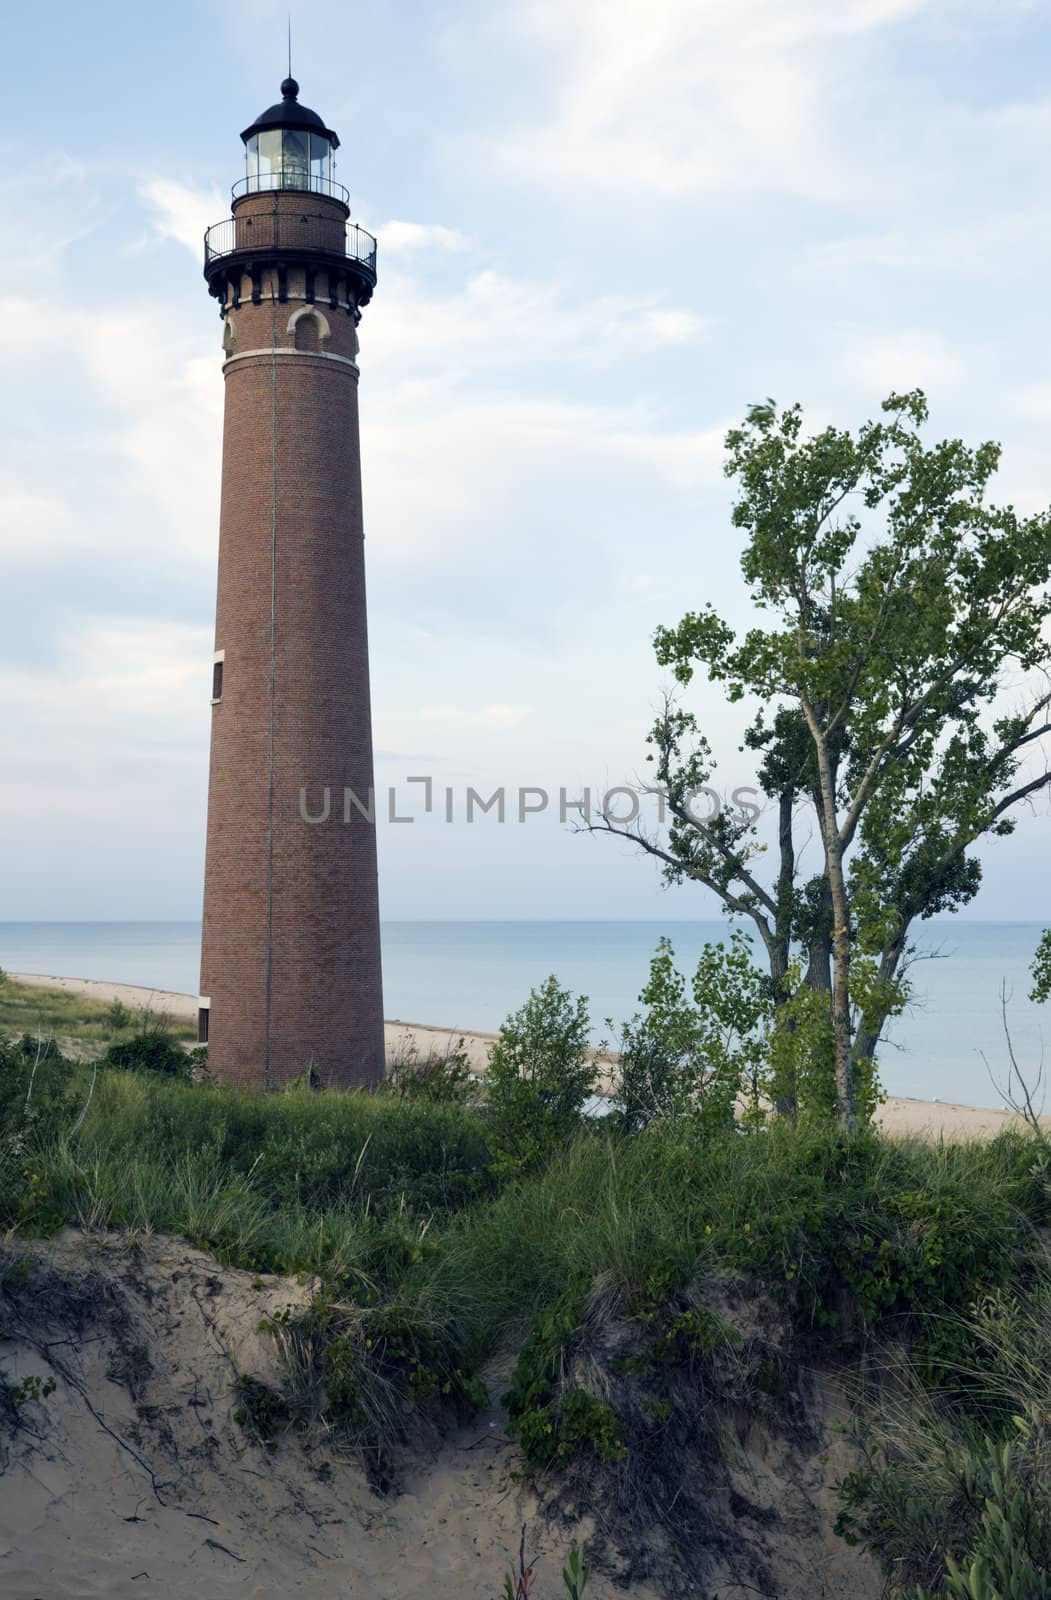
(495, 321)
(119, 700)
(36, 524)
(471, 477)
(698, 96)
(988, 243)
(674, 326)
(183, 213)
(400, 238)
(909, 359)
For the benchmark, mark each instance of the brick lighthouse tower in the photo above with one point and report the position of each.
(290, 971)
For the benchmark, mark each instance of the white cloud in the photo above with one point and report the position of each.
(183, 213)
(495, 321)
(120, 700)
(452, 481)
(909, 359)
(700, 94)
(980, 243)
(400, 238)
(674, 326)
(36, 524)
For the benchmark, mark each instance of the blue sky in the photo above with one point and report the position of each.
(604, 230)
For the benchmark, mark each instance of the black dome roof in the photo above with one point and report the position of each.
(288, 113)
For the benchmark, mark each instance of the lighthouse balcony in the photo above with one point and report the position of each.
(301, 179)
(289, 232)
(296, 231)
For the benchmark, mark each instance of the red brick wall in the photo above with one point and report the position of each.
(291, 956)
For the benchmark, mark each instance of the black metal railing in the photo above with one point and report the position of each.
(295, 231)
(293, 179)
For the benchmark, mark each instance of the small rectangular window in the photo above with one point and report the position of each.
(202, 1024)
(217, 681)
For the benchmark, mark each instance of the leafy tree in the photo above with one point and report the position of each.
(898, 607)
(541, 1071)
(681, 1058)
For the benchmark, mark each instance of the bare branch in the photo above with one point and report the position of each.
(1020, 1098)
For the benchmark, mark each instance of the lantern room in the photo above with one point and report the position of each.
(289, 147)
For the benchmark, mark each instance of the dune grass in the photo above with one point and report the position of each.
(398, 1198)
(81, 1027)
(431, 1259)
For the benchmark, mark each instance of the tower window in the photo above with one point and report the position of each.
(217, 677)
(203, 1014)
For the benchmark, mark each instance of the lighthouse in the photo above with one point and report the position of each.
(290, 962)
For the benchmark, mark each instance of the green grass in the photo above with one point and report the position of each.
(81, 1027)
(397, 1198)
(431, 1261)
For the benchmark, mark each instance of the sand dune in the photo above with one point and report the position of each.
(134, 1478)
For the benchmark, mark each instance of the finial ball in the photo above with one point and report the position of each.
(289, 89)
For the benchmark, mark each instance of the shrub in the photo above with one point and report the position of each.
(439, 1077)
(34, 1088)
(541, 1072)
(305, 1153)
(262, 1412)
(118, 1016)
(150, 1049)
(681, 1059)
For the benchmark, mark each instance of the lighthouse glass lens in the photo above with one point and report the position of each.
(252, 153)
(320, 162)
(269, 159)
(296, 164)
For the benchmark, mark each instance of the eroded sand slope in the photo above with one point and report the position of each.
(133, 1478)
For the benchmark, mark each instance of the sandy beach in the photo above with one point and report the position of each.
(930, 1119)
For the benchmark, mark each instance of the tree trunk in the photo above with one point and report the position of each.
(787, 1102)
(867, 1039)
(846, 1110)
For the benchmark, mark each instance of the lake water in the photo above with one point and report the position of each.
(471, 974)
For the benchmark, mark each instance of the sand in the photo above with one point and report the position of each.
(929, 1119)
(133, 1479)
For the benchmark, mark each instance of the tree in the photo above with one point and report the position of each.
(900, 608)
(541, 1071)
(693, 1055)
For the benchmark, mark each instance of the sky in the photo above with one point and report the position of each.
(604, 230)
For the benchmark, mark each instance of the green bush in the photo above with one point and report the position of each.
(682, 1059)
(1010, 1554)
(440, 1077)
(118, 1017)
(430, 1263)
(541, 1072)
(151, 1049)
(35, 1089)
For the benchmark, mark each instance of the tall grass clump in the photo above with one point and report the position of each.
(316, 1149)
(956, 1493)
